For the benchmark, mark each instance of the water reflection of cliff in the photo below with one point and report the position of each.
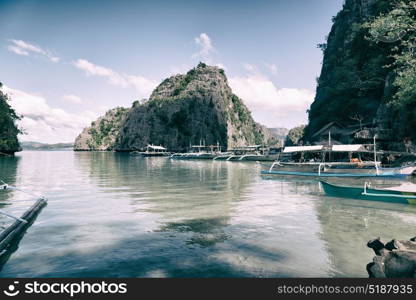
(348, 224)
(8, 171)
(195, 198)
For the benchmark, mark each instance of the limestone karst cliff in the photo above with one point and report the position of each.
(192, 108)
(102, 133)
(357, 76)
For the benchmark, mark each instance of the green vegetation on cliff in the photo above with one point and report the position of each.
(103, 132)
(8, 128)
(397, 29)
(184, 109)
(369, 71)
(353, 75)
(195, 107)
(295, 136)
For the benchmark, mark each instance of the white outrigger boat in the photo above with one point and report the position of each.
(199, 152)
(250, 153)
(152, 150)
(330, 161)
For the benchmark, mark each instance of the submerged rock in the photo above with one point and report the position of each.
(393, 259)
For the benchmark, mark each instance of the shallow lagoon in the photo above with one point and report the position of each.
(111, 214)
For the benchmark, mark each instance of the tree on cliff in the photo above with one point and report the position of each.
(8, 129)
(352, 78)
(295, 136)
(398, 27)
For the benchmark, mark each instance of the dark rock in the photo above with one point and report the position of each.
(393, 259)
(376, 245)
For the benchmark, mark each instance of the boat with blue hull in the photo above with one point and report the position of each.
(393, 194)
(334, 161)
(382, 174)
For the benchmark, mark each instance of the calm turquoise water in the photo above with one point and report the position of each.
(112, 214)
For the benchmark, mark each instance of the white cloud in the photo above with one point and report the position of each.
(272, 68)
(143, 85)
(270, 105)
(204, 41)
(251, 68)
(44, 123)
(24, 48)
(72, 98)
(17, 50)
(221, 66)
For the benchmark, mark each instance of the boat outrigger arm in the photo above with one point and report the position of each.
(5, 186)
(367, 186)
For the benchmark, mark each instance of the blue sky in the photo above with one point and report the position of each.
(65, 62)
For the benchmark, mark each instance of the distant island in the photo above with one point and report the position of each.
(42, 146)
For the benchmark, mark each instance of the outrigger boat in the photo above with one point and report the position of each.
(402, 194)
(152, 150)
(199, 152)
(322, 162)
(250, 153)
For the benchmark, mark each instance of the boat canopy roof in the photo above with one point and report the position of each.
(292, 149)
(156, 147)
(334, 148)
(349, 148)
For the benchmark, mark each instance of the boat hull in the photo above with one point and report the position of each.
(337, 170)
(336, 174)
(369, 194)
(193, 156)
(150, 154)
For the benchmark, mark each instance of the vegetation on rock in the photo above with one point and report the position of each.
(8, 128)
(295, 136)
(103, 132)
(369, 69)
(197, 107)
(397, 29)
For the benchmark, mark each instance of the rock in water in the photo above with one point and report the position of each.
(188, 109)
(393, 259)
(103, 132)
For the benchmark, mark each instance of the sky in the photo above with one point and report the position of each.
(64, 63)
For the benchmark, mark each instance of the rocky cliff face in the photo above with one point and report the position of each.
(354, 78)
(190, 108)
(9, 143)
(102, 133)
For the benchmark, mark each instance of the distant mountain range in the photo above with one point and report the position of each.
(42, 146)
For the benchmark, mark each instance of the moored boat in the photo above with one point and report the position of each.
(199, 152)
(334, 161)
(151, 151)
(249, 153)
(400, 194)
